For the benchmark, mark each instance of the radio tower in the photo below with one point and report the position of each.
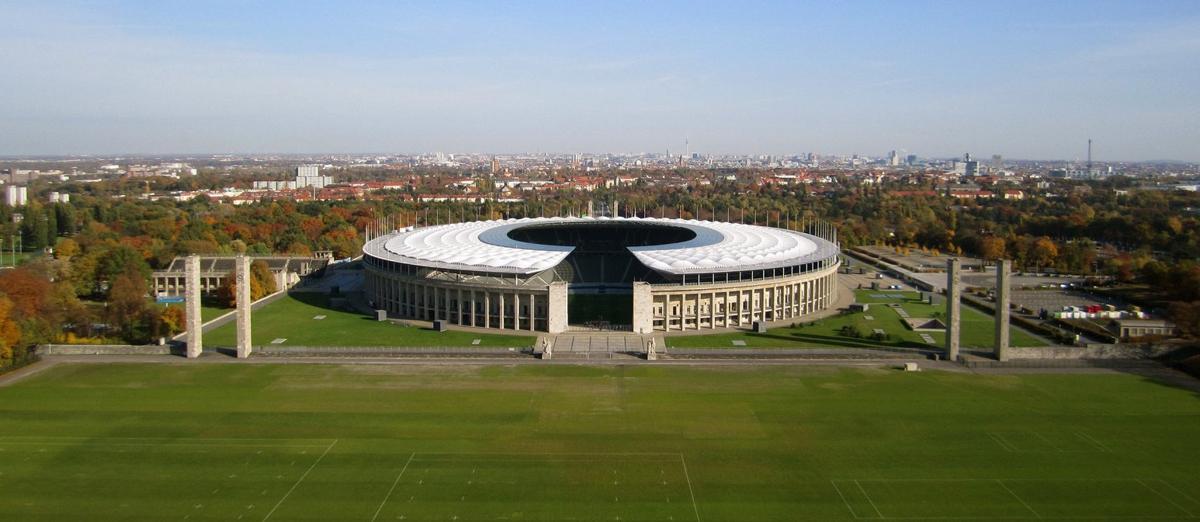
(1089, 163)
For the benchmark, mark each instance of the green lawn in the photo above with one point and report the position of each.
(6, 257)
(281, 442)
(977, 328)
(294, 318)
(208, 311)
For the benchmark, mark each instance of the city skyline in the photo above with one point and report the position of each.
(1028, 80)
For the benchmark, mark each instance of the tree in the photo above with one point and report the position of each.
(66, 248)
(122, 259)
(227, 292)
(173, 320)
(127, 304)
(992, 248)
(27, 289)
(1043, 252)
(1186, 317)
(10, 329)
(262, 278)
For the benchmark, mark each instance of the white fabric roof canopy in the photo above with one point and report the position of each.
(484, 246)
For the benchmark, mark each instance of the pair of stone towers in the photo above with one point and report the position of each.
(954, 305)
(195, 337)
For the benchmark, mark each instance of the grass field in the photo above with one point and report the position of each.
(294, 319)
(977, 328)
(555, 442)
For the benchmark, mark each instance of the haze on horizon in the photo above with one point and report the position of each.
(1022, 79)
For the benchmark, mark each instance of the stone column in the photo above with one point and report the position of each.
(1002, 298)
(195, 343)
(532, 312)
(712, 310)
(487, 309)
(643, 308)
(556, 308)
(953, 302)
(242, 274)
(501, 294)
(516, 311)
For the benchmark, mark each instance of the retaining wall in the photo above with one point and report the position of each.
(107, 349)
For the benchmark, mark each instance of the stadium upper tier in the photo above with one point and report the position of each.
(486, 246)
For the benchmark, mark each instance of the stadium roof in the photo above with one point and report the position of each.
(484, 246)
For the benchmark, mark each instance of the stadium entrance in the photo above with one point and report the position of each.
(601, 271)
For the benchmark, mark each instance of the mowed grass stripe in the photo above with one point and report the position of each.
(760, 443)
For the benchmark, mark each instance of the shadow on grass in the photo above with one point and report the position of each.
(828, 340)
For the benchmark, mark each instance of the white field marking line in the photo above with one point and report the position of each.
(844, 501)
(1048, 441)
(161, 444)
(1019, 499)
(533, 458)
(1002, 442)
(873, 506)
(527, 455)
(1166, 498)
(1177, 490)
(68, 437)
(301, 479)
(1093, 440)
(686, 475)
(1066, 517)
(393, 488)
(1008, 479)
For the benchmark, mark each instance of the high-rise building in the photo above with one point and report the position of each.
(310, 176)
(997, 161)
(16, 196)
(894, 159)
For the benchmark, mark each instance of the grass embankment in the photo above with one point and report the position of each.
(294, 318)
(977, 328)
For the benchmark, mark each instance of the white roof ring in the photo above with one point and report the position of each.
(485, 246)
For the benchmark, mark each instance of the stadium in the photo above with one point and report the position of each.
(625, 274)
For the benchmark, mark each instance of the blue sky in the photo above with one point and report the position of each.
(1022, 79)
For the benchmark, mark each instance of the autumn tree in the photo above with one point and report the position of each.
(992, 248)
(174, 319)
(1042, 252)
(262, 281)
(127, 304)
(10, 329)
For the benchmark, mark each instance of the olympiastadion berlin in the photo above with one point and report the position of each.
(626, 274)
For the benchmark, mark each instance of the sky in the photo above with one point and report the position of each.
(1031, 80)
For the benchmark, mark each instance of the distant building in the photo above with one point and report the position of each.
(16, 196)
(59, 197)
(288, 270)
(1135, 328)
(310, 176)
(893, 159)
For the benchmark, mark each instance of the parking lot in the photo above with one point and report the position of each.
(1055, 300)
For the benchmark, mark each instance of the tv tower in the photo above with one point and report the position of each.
(1089, 163)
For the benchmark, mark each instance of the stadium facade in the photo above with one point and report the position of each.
(642, 274)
